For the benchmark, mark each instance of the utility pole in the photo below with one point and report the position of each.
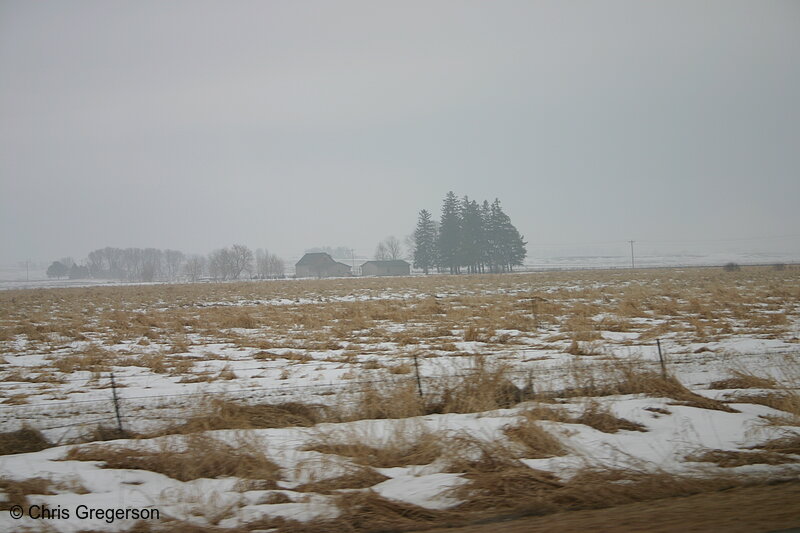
(633, 265)
(27, 275)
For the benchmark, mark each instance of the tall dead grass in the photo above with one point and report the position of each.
(366, 511)
(530, 492)
(618, 376)
(220, 413)
(23, 440)
(196, 456)
(786, 400)
(394, 398)
(741, 379)
(787, 444)
(535, 441)
(734, 458)
(16, 492)
(405, 445)
(484, 388)
(359, 477)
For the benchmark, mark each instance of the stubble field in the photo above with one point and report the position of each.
(398, 403)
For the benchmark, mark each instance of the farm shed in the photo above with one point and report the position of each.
(320, 265)
(386, 268)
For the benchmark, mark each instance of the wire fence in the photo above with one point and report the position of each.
(116, 407)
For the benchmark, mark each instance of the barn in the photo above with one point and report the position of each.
(397, 267)
(320, 265)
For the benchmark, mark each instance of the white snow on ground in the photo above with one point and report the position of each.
(665, 445)
(424, 490)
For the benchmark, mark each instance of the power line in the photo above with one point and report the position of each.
(674, 241)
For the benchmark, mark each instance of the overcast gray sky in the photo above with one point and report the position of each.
(287, 125)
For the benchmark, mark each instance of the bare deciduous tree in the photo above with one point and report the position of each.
(173, 260)
(269, 265)
(389, 249)
(276, 267)
(219, 264)
(241, 260)
(380, 252)
(194, 267)
(152, 259)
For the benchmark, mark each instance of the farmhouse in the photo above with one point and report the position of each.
(320, 265)
(386, 268)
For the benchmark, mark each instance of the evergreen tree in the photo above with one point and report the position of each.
(507, 245)
(78, 272)
(485, 245)
(518, 250)
(425, 242)
(471, 235)
(57, 270)
(477, 236)
(449, 241)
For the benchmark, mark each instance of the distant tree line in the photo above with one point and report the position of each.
(152, 264)
(469, 237)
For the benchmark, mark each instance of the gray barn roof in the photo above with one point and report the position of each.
(315, 259)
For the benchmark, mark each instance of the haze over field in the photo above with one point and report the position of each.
(284, 125)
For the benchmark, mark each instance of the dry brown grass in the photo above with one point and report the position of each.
(529, 492)
(403, 368)
(196, 456)
(91, 359)
(468, 454)
(734, 458)
(627, 377)
(535, 441)
(741, 379)
(789, 443)
(406, 445)
(16, 492)
(787, 400)
(22, 441)
(16, 399)
(214, 413)
(554, 413)
(602, 419)
(356, 478)
(485, 388)
(104, 433)
(367, 512)
(395, 398)
(584, 346)
(687, 303)
(507, 488)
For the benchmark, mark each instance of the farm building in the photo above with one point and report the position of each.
(386, 268)
(320, 265)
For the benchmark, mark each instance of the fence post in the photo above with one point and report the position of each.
(661, 359)
(419, 380)
(530, 391)
(116, 401)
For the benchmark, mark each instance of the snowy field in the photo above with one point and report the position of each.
(258, 405)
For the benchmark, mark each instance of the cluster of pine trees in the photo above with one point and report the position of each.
(470, 236)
